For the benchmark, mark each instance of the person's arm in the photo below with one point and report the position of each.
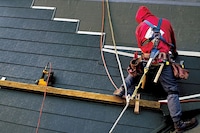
(173, 38)
(175, 53)
(137, 34)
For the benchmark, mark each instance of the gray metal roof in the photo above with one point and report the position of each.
(30, 38)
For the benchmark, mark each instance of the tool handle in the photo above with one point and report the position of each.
(158, 73)
(143, 82)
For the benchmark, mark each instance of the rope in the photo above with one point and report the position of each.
(119, 117)
(101, 46)
(120, 68)
(116, 53)
(44, 97)
(184, 101)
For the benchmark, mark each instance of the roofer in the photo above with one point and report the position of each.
(167, 43)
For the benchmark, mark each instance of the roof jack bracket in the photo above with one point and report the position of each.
(137, 104)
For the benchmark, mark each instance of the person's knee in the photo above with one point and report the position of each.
(170, 92)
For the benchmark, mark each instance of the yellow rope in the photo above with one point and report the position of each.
(120, 68)
(114, 43)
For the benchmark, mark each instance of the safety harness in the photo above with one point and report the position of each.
(156, 30)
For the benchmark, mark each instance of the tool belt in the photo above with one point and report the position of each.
(179, 71)
(135, 67)
(160, 58)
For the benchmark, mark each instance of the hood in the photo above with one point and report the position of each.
(142, 13)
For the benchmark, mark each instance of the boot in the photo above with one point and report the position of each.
(182, 126)
(119, 92)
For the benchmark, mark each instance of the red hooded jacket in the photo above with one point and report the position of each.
(142, 29)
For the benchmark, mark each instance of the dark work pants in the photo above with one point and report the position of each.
(169, 84)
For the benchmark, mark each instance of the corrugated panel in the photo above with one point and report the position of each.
(13, 3)
(33, 24)
(25, 13)
(62, 115)
(50, 37)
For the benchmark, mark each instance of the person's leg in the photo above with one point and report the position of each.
(170, 86)
(130, 84)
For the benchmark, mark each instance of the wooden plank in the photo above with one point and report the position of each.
(90, 96)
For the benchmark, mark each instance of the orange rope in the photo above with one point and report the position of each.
(101, 46)
(44, 97)
(185, 101)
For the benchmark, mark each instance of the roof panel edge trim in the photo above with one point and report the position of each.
(43, 7)
(90, 33)
(65, 19)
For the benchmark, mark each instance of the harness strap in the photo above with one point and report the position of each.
(156, 29)
(162, 39)
(159, 24)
